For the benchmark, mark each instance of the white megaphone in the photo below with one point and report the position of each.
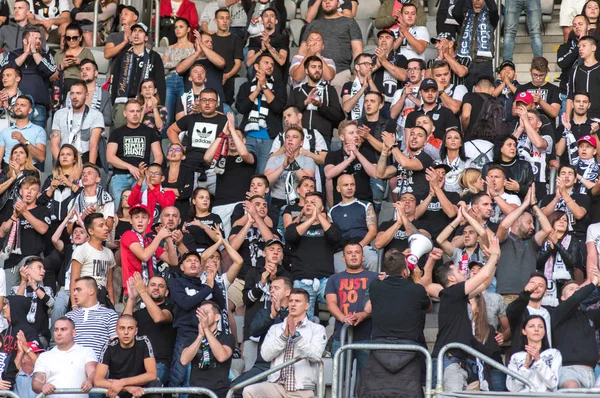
(419, 245)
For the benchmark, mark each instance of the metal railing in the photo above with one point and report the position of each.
(471, 351)
(387, 347)
(259, 377)
(8, 393)
(149, 390)
(348, 330)
(95, 28)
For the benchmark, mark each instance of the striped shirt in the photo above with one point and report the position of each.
(95, 326)
(455, 80)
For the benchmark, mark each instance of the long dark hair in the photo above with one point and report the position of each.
(193, 206)
(461, 150)
(523, 339)
(73, 26)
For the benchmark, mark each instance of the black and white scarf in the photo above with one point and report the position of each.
(479, 23)
(224, 323)
(205, 356)
(357, 110)
(588, 169)
(30, 293)
(257, 118)
(145, 267)
(124, 81)
(188, 99)
(13, 243)
(571, 145)
(102, 197)
(322, 94)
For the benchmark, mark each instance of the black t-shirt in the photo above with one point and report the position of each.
(238, 212)
(549, 93)
(384, 81)
(32, 243)
(126, 362)
(252, 248)
(134, 145)
(233, 184)
(216, 377)
(435, 216)
(230, 48)
(400, 239)
(476, 101)
(201, 238)
(414, 181)
(201, 132)
(293, 210)
(214, 77)
(397, 298)
(578, 227)
(453, 320)
(578, 130)
(346, 5)
(443, 118)
(363, 181)
(161, 335)
(377, 127)
(279, 42)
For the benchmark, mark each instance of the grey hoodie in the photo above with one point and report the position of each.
(11, 36)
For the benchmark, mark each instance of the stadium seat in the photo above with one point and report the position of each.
(365, 14)
(199, 6)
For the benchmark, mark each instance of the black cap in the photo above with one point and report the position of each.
(273, 241)
(133, 10)
(475, 263)
(427, 84)
(140, 26)
(387, 31)
(443, 35)
(505, 64)
(442, 166)
(187, 254)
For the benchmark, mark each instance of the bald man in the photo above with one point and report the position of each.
(357, 222)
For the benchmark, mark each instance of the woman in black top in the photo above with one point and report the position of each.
(179, 178)
(21, 166)
(200, 235)
(505, 154)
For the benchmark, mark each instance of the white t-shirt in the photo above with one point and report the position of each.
(419, 33)
(593, 235)
(456, 92)
(475, 149)
(497, 214)
(320, 144)
(81, 135)
(94, 263)
(49, 11)
(65, 369)
(546, 315)
(409, 106)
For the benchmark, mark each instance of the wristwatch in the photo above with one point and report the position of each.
(265, 87)
(27, 143)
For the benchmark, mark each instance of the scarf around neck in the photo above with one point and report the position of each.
(480, 24)
(127, 71)
(257, 118)
(357, 110)
(147, 272)
(102, 197)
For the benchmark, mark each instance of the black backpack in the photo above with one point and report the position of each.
(491, 116)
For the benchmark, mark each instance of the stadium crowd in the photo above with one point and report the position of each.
(188, 203)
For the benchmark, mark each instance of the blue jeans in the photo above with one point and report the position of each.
(378, 187)
(533, 12)
(313, 294)
(40, 118)
(261, 149)
(179, 375)
(174, 91)
(162, 372)
(563, 105)
(361, 356)
(119, 183)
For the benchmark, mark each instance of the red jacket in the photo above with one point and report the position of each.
(187, 10)
(164, 199)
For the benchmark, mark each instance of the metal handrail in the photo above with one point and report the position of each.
(8, 393)
(593, 390)
(95, 28)
(387, 347)
(497, 61)
(259, 377)
(157, 23)
(471, 351)
(348, 330)
(149, 390)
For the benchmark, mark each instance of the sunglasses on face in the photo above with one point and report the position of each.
(71, 38)
(174, 149)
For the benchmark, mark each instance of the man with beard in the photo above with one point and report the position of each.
(130, 68)
(314, 46)
(96, 98)
(155, 320)
(23, 132)
(270, 42)
(130, 145)
(317, 100)
(79, 125)
(389, 68)
(353, 92)
(443, 118)
(189, 102)
(261, 101)
(519, 246)
(37, 66)
(409, 167)
(573, 128)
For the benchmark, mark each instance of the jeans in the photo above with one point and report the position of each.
(162, 372)
(261, 149)
(120, 183)
(61, 305)
(533, 12)
(497, 379)
(563, 105)
(361, 356)
(378, 187)
(174, 91)
(180, 375)
(40, 116)
(314, 294)
(455, 376)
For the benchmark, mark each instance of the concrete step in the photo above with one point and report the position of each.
(557, 39)
(547, 47)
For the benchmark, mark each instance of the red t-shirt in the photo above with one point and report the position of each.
(130, 264)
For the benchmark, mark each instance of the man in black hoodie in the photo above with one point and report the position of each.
(574, 334)
(318, 101)
(15, 312)
(567, 55)
(586, 77)
(187, 293)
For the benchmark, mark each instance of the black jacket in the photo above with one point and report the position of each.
(519, 170)
(567, 57)
(244, 106)
(324, 119)
(19, 307)
(516, 312)
(571, 255)
(157, 72)
(572, 332)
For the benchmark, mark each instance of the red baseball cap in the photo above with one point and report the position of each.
(525, 97)
(139, 206)
(589, 139)
(33, 346)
